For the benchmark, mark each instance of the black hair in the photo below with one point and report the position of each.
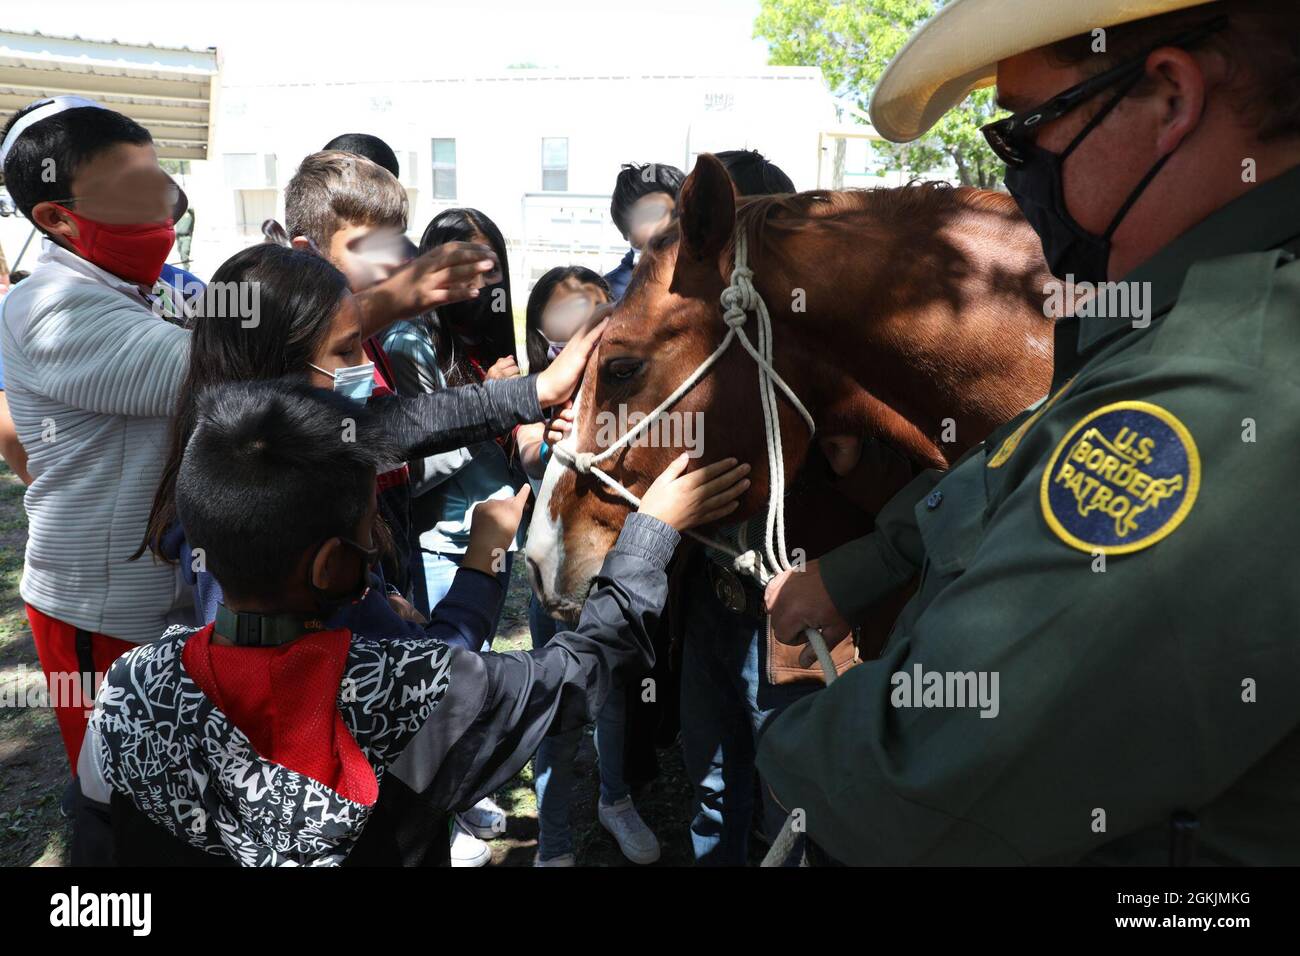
(754, 174)
(536, 345)
(297, 296)
(371, 147)
(70, 139)
(271, 471)
(494, 327)
(637, 180)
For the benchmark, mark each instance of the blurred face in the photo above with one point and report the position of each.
(647, 216)
(341, 346)
(367, 255)
(123, 185)
(571, 304)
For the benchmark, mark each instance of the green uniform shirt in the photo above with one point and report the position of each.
(1167, 682)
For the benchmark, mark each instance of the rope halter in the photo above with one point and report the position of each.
(738, 300)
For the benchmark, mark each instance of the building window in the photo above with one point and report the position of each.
(444, 169)
(250, 170)
(555, 164)
(252, 178)
(252, 208)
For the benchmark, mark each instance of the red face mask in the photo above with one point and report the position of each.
(136, 253)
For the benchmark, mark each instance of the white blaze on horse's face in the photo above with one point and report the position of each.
(544, 550)
(561, 584)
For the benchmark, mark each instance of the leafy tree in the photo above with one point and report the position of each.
(852, 42)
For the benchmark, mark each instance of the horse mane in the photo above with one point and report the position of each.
(802, 212)
(918, 199)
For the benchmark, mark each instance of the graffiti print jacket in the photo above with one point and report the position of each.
(448, 724)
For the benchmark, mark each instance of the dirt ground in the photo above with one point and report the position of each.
(33, 768)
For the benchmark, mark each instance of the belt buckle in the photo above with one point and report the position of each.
(729, 589)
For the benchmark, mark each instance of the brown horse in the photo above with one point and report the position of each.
(910, 316)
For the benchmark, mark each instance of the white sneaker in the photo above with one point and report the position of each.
(485, 820)
(566, 859)
(467, 849)
(626, 826)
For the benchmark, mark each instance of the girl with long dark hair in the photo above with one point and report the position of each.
(465, 342)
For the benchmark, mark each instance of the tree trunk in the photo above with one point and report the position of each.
(837, 164)
(963, 172)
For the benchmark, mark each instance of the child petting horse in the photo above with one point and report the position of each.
(273, 734)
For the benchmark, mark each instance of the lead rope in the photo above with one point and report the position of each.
(738, 299)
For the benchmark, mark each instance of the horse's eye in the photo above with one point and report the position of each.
(622, 369)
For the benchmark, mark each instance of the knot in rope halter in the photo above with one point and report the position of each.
(748, 562)
(739, 298)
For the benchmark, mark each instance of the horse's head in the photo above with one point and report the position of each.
(667, 324)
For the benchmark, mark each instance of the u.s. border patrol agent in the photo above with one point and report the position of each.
(1102, 660)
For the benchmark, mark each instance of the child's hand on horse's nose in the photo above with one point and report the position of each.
(560, 379)
(688, 500)
(798, 599)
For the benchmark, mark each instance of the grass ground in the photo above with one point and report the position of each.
(33, 768)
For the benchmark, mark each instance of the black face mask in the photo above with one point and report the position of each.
(330, 604)
(1037, 186)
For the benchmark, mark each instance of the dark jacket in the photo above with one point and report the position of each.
(448, 725)
(619, 278)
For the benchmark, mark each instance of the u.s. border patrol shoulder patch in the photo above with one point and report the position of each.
(1122, 479)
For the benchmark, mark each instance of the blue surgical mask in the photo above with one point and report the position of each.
(352, 381)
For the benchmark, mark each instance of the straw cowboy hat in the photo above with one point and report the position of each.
(958, 50)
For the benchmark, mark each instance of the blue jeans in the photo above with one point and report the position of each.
(553, 763)
(440, 570)
(727, 703)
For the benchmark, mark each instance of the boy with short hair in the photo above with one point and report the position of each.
(91, 376)
(342, 204)
(645, 196)
(283, 506)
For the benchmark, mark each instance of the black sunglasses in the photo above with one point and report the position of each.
(1007, 137)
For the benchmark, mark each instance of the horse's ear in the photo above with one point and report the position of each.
(706, 208)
